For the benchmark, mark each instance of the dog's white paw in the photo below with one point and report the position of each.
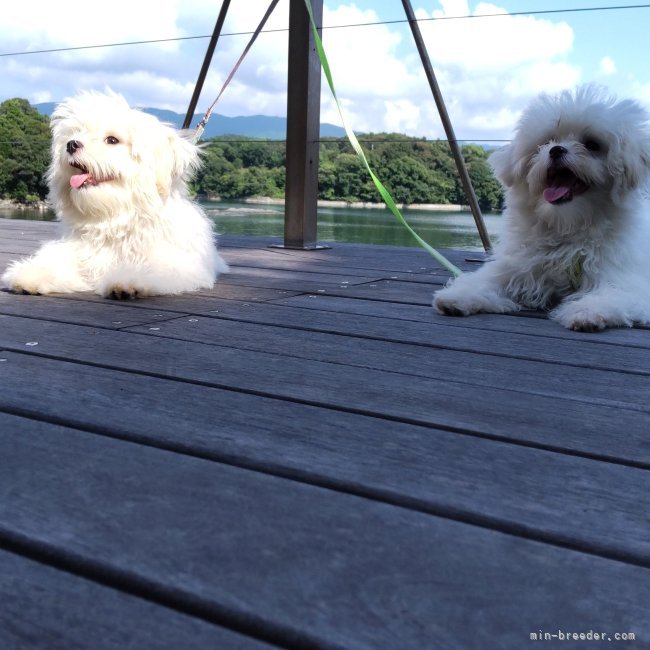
(453, 302)
(450, 306)
(583, 318)
(121, 291)
(585, 321)
(122, 284)
(52, 269)
(26, 277)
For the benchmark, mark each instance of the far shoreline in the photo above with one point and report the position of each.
(42, 206)
(365, 205)
(12, 204)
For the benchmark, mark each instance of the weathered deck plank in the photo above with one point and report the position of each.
(229, 544)
(309, 456)
(540, 418)
(533, 324)
(360, 454)
(48, 609)
(609, 351)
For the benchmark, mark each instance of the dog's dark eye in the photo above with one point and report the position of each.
(111, 139)
(592, 145)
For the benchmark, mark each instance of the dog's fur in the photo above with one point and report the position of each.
(576, 231)
(118, 182)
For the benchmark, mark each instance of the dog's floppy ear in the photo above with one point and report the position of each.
(629, 152)
(629, 165)
(630, 170)
(166, 154)
(503, 165)
(176, 161)
(185, 157)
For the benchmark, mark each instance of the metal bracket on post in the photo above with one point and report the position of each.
(303, 130)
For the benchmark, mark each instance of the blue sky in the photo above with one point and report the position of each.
(488, 68)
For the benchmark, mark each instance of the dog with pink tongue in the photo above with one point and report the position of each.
(118, 184)
(575, 236)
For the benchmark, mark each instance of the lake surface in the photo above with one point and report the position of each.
(355, 225)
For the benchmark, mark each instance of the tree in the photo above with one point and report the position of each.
(243, 167)
(24, 151)
(414, 171)
(410, 181)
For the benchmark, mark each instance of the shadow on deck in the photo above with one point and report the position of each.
(308, 456)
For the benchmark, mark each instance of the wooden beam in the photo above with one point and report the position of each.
(303, 128)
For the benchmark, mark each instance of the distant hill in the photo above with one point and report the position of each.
(252, 126)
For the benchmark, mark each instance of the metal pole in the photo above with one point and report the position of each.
(303, 128)
(206, 64)
(449, 130)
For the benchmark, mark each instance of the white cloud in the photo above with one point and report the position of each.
(488, 68)
(401, 114)
(493, 41)
(364, 60)
(641, 91)
(607, 66)
(542, 76)
(156, 73)
(48, 25)
(373, 82)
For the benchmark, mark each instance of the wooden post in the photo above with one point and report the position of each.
(303, 128)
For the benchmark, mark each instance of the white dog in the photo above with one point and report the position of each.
(117, 181)
(576, 232)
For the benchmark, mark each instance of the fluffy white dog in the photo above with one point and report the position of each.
(117, 182)
(576, 231)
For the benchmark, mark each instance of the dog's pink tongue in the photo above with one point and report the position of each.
(552, 194)
(78, 180)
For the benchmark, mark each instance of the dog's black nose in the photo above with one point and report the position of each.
(555, 152)
(72, 146)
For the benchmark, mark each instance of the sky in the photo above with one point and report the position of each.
(488, 66)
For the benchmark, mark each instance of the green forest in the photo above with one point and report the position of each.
(234, 167)
(24, 151)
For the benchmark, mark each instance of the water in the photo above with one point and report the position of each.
(355, 225)
(27, 215)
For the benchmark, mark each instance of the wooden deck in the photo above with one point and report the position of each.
(309, 457)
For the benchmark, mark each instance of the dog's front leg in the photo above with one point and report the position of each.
(54, 268)
(603, 307)
(481, 291)
(124, 284)
(168, 274)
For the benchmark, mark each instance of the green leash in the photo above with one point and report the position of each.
(385, 195)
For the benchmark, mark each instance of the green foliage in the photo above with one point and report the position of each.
(24, 151)
(413, 171)
(235, 167)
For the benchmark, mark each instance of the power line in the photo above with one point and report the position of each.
(92, 47)
(534, 12)
(326, 27)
